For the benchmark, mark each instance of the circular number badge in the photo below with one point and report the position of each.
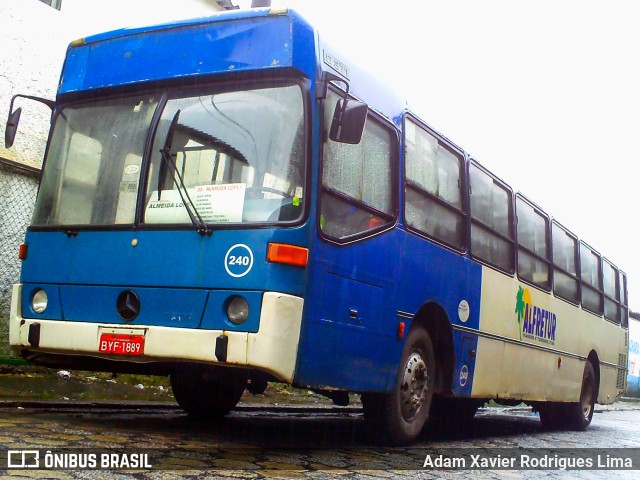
(238, 260)
(464, 375)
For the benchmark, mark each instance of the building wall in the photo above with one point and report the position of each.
(30, 62)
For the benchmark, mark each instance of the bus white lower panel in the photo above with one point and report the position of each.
(534, 346)
(273, 348)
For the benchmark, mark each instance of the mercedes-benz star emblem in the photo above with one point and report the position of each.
(128, 305)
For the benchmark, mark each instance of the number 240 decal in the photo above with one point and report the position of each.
(242, 260)
(238, 261)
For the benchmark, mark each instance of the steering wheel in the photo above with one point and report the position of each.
(269, 190)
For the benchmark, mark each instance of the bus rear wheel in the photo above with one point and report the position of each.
(573, 415)
(399, 417)
(578, 415)
(206, 392)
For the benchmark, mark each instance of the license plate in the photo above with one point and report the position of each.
(118, 344)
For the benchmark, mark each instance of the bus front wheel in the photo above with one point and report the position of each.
(400, 416)
(206, 392)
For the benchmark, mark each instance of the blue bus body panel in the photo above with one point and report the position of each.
(182, 23)
(126, 60)
(191, 50)
(160, 259)
(84, 275)
(167, 307)
(378, 278)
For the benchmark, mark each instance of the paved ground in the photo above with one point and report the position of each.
(291, 442)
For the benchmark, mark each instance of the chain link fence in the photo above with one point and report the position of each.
(18, 189)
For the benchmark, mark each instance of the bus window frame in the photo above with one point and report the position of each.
(590, 287)
(624, 295)
(395, 156)
(465, 212)
(512, 225)
(576, 253)
(548, 261)
(617, 300)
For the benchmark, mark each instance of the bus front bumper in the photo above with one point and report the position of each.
(272, 349)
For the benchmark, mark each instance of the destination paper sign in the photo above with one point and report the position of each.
(214, 203)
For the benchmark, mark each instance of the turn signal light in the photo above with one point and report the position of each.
(400, 330)
(22, 253)
(287, 254)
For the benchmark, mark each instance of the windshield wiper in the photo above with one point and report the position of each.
(167, 159)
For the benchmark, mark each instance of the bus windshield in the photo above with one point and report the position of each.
(239, 157)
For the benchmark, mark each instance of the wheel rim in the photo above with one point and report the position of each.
(586, 399)
(413, 390)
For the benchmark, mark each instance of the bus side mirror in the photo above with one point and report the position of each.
(348, 122)
(12, 127)
(14, 117)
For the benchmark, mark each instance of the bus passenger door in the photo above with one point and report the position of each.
(349, 302)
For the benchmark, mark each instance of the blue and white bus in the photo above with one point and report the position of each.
(228, 201)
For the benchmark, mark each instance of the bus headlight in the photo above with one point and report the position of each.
(39, 301)
(237, 309)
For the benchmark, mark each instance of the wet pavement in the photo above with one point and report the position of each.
(311, 441)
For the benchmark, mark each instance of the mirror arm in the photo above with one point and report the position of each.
(322, 86)
(14, 117)
(49, 103)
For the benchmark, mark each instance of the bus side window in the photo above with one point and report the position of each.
(565, 264)
(357, 189)
(533, 241)
(611, 292)
(492, 236)
(433, 199)
(591, 275)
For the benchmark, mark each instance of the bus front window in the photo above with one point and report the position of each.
(239, 154)
(93, 164)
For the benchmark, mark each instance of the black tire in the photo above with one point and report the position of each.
(578, 415)
(206, 392)
(399, 417)
(572, 415)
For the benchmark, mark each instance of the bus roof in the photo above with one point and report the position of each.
(220, 16)
(180, 49)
